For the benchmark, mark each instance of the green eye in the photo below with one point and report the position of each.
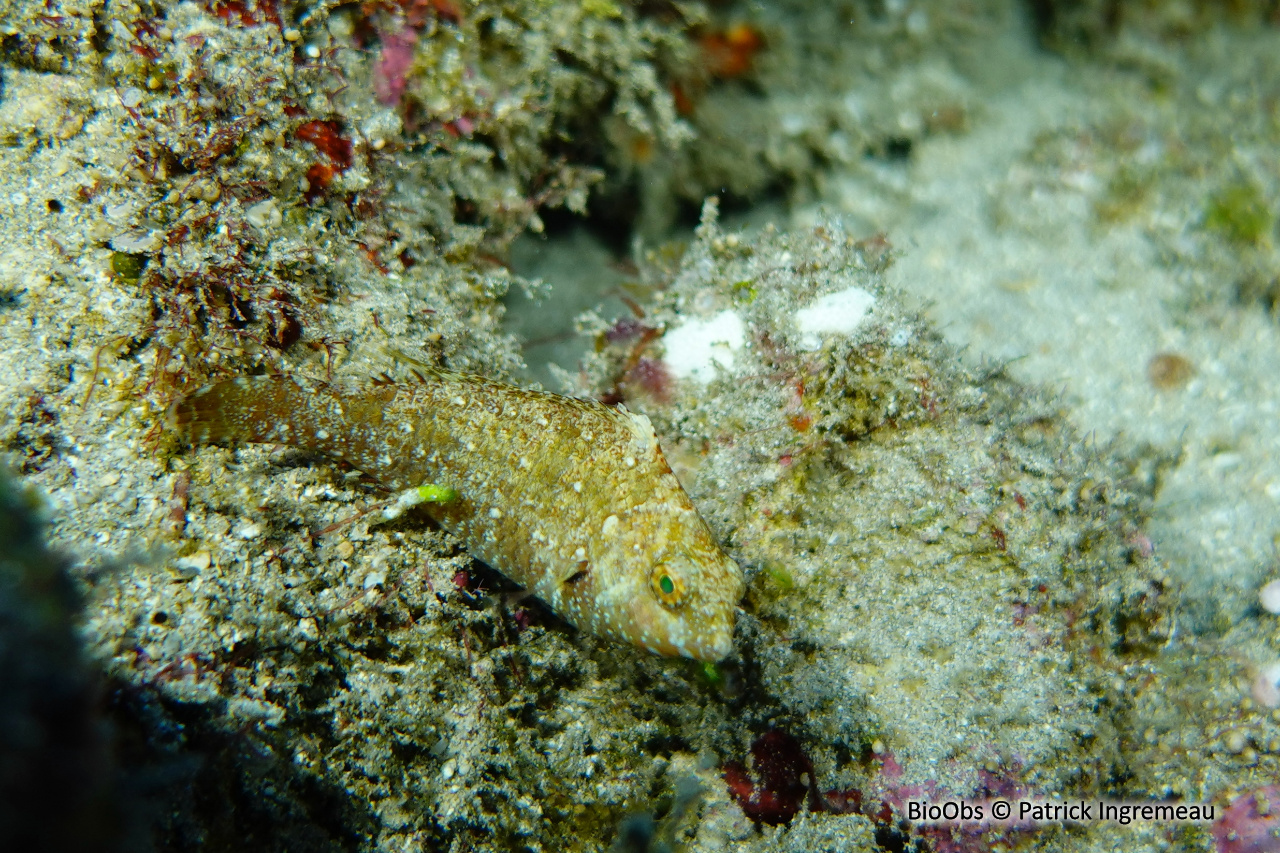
(667, 585)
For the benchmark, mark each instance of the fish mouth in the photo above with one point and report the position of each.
(715, 648)
(707, 641)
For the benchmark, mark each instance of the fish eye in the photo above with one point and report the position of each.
(667, 584)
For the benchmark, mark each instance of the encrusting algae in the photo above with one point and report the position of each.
(570, 498)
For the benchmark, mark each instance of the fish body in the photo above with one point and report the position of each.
(570, 498)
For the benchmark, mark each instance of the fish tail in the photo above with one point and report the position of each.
(247, 409)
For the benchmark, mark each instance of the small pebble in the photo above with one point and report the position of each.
(1236, 741)
(197, 562)
(1169, 371)
(264, 214)
(1269, 596)
(1266, 685)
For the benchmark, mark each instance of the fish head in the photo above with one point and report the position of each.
(681, 591)
(683, 613)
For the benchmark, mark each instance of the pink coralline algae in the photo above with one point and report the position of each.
(889, 796)
(1251, 824)
(391, 71)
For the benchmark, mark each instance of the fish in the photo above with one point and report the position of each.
(570, 498)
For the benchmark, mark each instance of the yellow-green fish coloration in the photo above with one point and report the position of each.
(570, 498)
